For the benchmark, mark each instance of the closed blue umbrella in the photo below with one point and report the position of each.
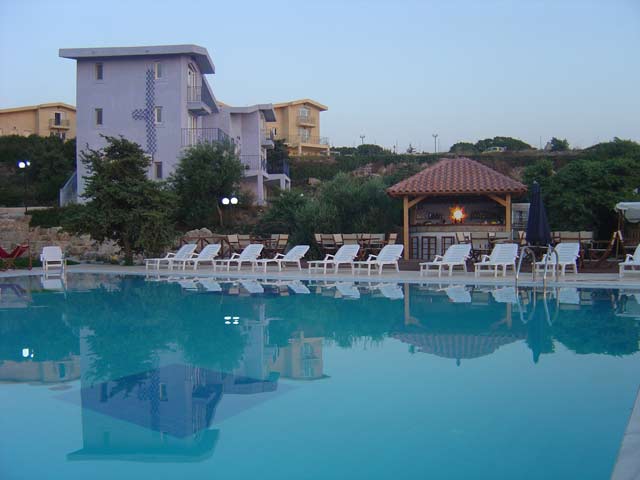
(538, 231)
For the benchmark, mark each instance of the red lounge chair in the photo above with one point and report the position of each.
(8, 259)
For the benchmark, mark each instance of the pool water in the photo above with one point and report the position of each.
(105, 376)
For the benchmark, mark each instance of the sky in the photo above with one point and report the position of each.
(396, 72)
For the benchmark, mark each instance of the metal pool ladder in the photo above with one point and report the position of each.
(527, 251)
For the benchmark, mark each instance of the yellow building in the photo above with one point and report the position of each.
(298, 124)
(46, 119)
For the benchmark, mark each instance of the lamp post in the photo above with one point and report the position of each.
(226, 201)
(435, 142)
(362, 137)
(22, 165)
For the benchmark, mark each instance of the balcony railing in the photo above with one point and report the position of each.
(306, 120)
(278, 166)
(267, 137)
(194, 136)
(59, 123)
(194, 94)
(306, 139)
(253, 162)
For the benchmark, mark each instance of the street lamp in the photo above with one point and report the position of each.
(226, 201)
(435, 142)
(22, 165)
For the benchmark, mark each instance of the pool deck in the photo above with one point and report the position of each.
(581, 280)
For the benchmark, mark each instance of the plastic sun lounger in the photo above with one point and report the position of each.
(52, 257)
(185, 252)
(389, 255)
(344, 256)
(567, 256)
(292, 256)
(503, 255)
(250, 255)
(455, 256)
(630, 261)
(207, 255)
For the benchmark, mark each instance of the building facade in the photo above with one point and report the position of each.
(298, 124)
(159, 97)
(46, 119)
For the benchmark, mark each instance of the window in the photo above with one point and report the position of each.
(57, 118)
(304, 112)
(157, 114)
(157, 70)
(158, 169)
(99, 116)
(304, 134)
(99, 71)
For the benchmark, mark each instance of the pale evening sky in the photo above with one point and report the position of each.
(395, 71)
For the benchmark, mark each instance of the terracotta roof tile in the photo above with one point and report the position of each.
(456, 176)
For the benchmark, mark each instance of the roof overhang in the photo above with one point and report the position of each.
(200, 54)
(36, 107)
(302, 101)
(266, 108)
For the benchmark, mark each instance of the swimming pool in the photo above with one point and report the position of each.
(106, 376)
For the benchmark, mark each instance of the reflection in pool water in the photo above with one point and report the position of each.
(159, 373)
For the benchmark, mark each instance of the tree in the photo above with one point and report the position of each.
(511, 144)
(123, 204)
(369, 149)
(463, 148)
(557, 145)
(277, 155)
(206, 173)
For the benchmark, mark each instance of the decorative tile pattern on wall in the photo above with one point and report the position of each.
(147, 113)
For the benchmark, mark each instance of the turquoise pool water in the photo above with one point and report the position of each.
(107, 376)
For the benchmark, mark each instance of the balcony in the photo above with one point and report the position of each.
(253, 162)
(196, 103)
(61, 123)
(194, 136)
(306, 140)
(275, 167)
(306, 121)
(266, 138)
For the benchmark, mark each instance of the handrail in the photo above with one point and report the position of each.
(546, 263)
(523, 253)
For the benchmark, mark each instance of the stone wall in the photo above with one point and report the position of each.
(14, 229)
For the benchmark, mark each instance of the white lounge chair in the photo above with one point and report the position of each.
(630, 261)
(392, 291)
(292, 256)
(348, 290)
(207, 255)
(52, 282)
(252, 287)
(458, 294)
(52, 257)
(455, 256)
(344, 256)
(568, 254)
(389, 255)
(503, 255)
(249, 255)
(184, 252)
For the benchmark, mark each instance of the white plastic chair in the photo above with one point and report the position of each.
(389, 255)
(503, 255)
(183, 253)
(207, 255)
(292, 256)
(567, 256)
(630, 261)
(52, 257)
(455, 256)
(344, 256)
(249, 255)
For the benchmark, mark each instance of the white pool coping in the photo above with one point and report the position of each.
(580, 280)
(628, 462)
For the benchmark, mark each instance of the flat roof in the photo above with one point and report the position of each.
(200, 53)
(36, 107)
(265, 108)
(318, 105)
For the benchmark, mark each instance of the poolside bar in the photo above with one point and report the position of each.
(453, 200)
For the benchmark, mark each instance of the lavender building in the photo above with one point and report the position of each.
(159, 97)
